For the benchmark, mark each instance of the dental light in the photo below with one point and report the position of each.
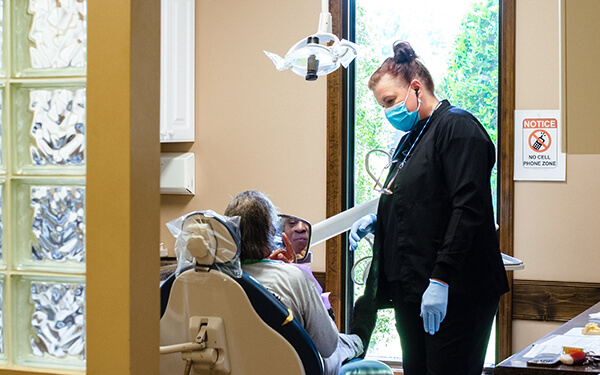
(318, 54)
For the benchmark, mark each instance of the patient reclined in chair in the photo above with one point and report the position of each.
(219, 320)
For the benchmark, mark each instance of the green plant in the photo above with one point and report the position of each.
(471, 81)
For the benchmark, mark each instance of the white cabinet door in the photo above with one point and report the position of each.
(177, 71)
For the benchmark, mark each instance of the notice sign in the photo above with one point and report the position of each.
(538, 155)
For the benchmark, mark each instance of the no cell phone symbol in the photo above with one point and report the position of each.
(539, 140)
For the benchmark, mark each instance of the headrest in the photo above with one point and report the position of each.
(207, 239)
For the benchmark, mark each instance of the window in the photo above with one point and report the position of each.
(42, 178)
(459, 42)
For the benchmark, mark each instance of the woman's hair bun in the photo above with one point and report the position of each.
(403, 52)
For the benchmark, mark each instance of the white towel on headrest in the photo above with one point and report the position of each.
(202, 241)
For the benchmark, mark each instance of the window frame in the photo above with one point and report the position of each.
(340, 110)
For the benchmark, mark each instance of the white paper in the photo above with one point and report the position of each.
(577, 331)
(574, 338)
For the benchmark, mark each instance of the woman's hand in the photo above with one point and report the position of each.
(287, 255)
(361, 228)
(434, 305)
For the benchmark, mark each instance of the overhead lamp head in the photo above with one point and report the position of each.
(318, 54)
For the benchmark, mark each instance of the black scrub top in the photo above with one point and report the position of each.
(439, 222)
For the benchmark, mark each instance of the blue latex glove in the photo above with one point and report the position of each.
(433, 306)
(361, 228)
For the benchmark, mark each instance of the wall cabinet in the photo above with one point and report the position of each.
(177, 80)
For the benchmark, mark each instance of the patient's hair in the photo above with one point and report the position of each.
(257, 223)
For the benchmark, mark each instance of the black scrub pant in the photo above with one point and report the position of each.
(458, 348)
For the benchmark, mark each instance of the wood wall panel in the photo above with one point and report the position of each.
(552, 301)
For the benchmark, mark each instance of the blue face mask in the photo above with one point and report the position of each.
(400, 117)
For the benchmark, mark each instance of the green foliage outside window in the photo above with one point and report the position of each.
(470, 82)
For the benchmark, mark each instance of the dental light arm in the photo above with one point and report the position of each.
(318, 54)
(341, 222)
(331, 227)
(325, 17)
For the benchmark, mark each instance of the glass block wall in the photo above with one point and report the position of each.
(42, 183)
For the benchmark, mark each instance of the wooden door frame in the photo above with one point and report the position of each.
(506, 166)
(336, 168)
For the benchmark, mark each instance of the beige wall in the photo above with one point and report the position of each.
(256, 128)
(556, 223)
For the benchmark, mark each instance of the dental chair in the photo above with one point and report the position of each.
(216, 320)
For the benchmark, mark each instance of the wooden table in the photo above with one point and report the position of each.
(517, 364)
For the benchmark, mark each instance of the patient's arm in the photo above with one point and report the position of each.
(299, 293)
(317, 321)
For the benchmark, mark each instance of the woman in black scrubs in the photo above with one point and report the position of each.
(436, 258)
